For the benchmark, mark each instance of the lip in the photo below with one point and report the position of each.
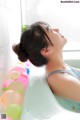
(62, 36)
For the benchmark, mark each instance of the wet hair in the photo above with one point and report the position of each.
(32, 41)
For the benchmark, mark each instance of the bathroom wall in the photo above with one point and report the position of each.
(4, 44)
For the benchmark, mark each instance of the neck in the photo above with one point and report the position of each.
(55, 62)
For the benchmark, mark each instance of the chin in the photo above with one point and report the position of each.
(65, 40)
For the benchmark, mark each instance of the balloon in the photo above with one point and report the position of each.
(6, 84)
(28, 70)
(19, 63)
(11, 97)
(8, 118)
(17, 86)
(14, 111)
(23, 79)
(28, 66)
(13, 75)
(2, 110)
(19, 69)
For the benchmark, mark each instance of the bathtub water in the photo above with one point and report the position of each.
(40, 103)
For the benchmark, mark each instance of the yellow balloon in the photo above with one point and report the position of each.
(11, 97)
(17, 86)
(13, 75)
(20, 63)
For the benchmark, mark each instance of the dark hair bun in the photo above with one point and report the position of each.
(22, 55)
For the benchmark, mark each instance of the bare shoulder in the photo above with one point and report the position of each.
(65, 85)
(62, 78)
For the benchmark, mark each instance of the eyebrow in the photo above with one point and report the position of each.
(47, 28)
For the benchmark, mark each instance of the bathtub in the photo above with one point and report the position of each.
(39, 101)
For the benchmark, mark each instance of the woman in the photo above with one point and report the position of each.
(43, 45)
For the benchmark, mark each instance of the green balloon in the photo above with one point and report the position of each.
(14, 111)
(24, 27)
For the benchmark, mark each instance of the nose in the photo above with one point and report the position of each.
(56, 30)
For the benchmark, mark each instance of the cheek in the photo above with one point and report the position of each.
(54, 39)
(59, 43)
(57, 40)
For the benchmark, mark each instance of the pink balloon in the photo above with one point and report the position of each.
(7, 83)
(23, 79)
(8, 118)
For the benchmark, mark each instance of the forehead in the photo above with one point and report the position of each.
(47, 27)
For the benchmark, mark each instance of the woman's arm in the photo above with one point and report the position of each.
(65, 85)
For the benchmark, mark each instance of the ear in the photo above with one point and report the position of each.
(46, 51)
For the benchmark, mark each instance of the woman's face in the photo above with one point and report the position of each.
(56, 38)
